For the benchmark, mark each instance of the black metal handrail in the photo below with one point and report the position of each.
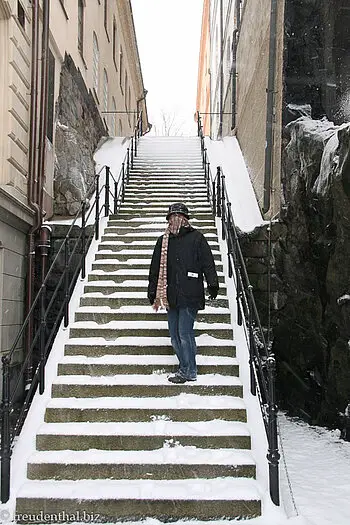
(43, 335)
(262, 362)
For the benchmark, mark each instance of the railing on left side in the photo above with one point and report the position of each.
(107, 197)
(262, 362)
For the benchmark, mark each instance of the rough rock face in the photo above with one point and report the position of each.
(79, 129)
(312, 330)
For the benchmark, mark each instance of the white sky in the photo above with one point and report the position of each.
(168, 36)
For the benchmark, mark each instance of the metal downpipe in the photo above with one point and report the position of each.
(270, 108)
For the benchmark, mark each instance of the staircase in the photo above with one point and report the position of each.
(120, 442)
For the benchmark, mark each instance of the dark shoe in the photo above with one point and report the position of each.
(177, 379)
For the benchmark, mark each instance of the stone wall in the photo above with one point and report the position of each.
(312, 330)
(79, 129)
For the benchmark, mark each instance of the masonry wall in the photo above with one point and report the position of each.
(252, 80)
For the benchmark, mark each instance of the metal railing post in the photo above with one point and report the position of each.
(44, 248)
(251, 341)
(123, 182)
(273, 455)
(107, 192)
(223, 207)
(127, 164)
(5, 431)
(83, 240)
(132, 153)
(135, 145)
(97, 207)
(66, 283)
(218, 191)
(115, 211)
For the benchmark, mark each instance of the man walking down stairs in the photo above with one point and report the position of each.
(119, 441)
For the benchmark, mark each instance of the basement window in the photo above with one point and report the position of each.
(21, 15)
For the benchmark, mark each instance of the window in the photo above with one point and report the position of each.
(51, 98)
(114, 43)
(113, 119)
(95, 63)
(105, 91)
(81, 25)
(21, 15)
(121, 68)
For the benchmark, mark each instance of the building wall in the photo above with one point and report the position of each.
(252, 79)
(203, 85)
(115, 34)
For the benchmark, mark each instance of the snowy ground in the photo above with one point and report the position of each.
(314, 467)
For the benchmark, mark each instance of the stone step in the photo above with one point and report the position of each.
(143, 436)
(121, 276)
(136, 364)
(142, 242)
(130, 500)
(124, 253)
(164, 185)
(114, 265)
(185, 407)
(104, 315)
(137, 385)
(107, 288)
(120, 299)
(153, 464)
(134, 345)
(149, 229)
(116, 329)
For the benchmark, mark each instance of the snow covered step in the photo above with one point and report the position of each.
(149, 385)
(110, 287)
(120, 299)
(183, 407)
(213, 434)
(104, 315)
(207, 345)
(135, 364)
(116, 329)
(164, 463)
(146, 229)
(171, 500)
(101, 275)
(141, 242)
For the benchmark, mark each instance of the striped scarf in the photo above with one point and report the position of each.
(174, 224)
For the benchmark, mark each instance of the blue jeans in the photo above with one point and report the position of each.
(180, 322)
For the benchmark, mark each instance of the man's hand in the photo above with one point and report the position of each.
(213, 292)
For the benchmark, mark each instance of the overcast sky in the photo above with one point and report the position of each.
(168, 36)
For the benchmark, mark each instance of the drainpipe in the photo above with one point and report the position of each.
(221, 68)
(32, 164)
(270, 108)
(43, 105)
(234, 78)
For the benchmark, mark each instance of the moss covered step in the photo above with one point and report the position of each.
(150, 237)
(116, 329)
(153, 464)
(127, 230)
(120, 299)
(119, 276)
(131, 254)
(184, 407)
(104, 315)
(154, 385)
(140, 264)
(135, 364)
(134, 345)
(143, 435)
(169, 500)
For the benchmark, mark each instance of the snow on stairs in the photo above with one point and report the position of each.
(119, 441)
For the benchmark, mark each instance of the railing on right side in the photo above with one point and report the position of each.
(262, 362)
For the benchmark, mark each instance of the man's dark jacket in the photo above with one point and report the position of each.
(189, 258)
